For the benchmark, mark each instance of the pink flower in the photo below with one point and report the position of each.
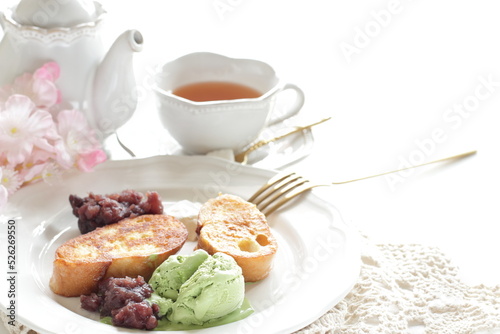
(39, 87)
(23, 127)
(79, 141)
(33, 145)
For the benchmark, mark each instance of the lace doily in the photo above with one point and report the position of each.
(411, 289)
(403, 289)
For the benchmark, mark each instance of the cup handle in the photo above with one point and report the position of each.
(295, 108)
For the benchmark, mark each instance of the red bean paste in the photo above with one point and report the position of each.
(96, 210)
(124, 300)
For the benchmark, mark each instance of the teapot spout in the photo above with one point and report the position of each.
(114, 96)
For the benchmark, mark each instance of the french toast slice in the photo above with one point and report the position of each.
(131, 247)
(233, 226)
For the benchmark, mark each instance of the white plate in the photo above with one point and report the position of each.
(316, 265)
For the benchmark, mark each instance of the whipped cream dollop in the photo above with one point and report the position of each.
(187, 212)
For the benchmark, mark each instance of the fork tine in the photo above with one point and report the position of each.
(291, 195)
(275, 179)
(280, 187)
(280, 191)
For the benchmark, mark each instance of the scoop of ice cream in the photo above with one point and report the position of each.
(168, 278)
(214, 290)
(197, 288)
(165, 304)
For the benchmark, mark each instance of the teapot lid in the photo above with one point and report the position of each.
(55, 14)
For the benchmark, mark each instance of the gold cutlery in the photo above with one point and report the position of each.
(284, 186)
(243, 156)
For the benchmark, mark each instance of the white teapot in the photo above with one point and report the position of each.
(68, 32)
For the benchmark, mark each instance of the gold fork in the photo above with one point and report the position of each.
(285, 186)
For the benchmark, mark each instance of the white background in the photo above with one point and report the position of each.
(410, 67)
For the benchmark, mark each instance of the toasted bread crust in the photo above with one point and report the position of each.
(233, 226)
(131, 247)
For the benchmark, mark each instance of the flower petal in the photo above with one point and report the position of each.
(20, 104)
(42, 124)
(88, 161)
(32, 173)
(46, 93)
(68, 120)
(50, 71)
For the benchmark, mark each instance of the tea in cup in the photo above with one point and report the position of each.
(209, 102)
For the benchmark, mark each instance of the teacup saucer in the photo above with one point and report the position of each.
(274, 155)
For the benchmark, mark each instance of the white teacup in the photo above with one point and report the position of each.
(201, 127)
